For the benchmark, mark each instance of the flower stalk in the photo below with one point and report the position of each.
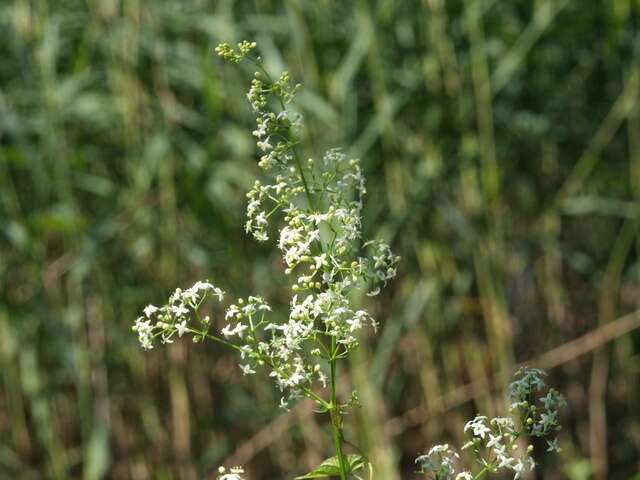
(336, 420)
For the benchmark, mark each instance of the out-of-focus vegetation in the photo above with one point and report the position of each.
(501, 140)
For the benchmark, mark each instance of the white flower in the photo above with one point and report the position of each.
(235, 473)
(179, 310)
(548, 420)
(464, 476)
(145, 330)
(190, 296)
(494, 441)
(438, 449)
(313, 236)
(478, 426)
(149, 310)
(261, 219)
(264, 145)
(439, 460)
(504, 423)
(553, 445)
(232, 312)
(247, 370)
(229, 331)
(521, 465)
(320, 260)
(181, 328)
(322, 378)
(218, 293)
(505, 461)
(200, 285)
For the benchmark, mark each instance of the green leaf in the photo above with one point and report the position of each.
(331, 467)
(327, 468)
(356, 462)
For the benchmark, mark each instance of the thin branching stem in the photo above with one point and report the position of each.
(336, 417)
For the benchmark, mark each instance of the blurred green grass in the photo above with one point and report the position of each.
(501, 141)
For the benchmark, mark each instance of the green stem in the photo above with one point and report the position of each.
(304, 180)
(482, 473)
(336, 418)
(293, 150)
(332, 406)
(319, 400)
(215, 339)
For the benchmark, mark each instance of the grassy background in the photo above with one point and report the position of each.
(501, 140)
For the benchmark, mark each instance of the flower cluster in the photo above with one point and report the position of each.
(231, 55)
(538, 420)
(283, 346)
(234, 473)
(495, 442)
(176, 317)
(440, 462)
(317, 207)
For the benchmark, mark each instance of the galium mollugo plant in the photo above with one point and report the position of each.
(503, 443)
(313, 208)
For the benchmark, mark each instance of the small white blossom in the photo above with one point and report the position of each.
(181, 328)
(246, 369)
(477, 425)
(179, 310)
(235, 473)
(264, 145)
(440, 461)
(494, 441)
(237, 330)
(552, 445)
(145, 330)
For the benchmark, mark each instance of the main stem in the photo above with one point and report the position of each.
(336, 418)
(334, 409)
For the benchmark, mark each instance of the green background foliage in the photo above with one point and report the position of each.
(501, 141)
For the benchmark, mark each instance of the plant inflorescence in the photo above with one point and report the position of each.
(313, 207)
(502, 443)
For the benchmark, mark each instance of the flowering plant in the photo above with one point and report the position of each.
(316, 207)
(495, 443)
(318, 204)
